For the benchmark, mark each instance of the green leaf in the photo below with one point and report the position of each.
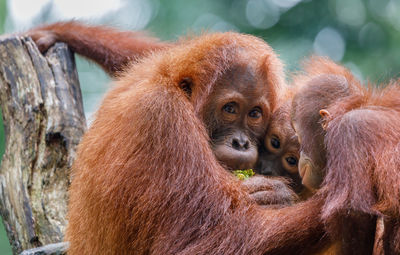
(243, 174)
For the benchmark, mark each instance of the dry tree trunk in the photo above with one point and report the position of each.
(43, 119)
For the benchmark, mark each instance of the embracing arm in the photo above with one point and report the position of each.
(295, 229)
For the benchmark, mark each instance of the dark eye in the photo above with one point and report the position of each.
(292, 161)
(255, 113)
(229, 108)
(275, 142)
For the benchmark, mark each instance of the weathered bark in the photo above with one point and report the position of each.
(43, 120)
(50, 249)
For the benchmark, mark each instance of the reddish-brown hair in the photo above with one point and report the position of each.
(146, 181)
(362, 151)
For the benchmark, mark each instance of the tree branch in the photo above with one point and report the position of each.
(43, 119)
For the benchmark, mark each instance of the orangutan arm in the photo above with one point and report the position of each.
(108, 47)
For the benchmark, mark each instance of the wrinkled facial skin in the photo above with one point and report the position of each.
(311, 175)
(312, 159)
(279, 156)
(236, 115)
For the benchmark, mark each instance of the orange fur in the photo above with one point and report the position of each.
(359, 155)
(145, 180)
(113, 50)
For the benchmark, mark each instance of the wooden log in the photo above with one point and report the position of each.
(50, 249)
(43, 120)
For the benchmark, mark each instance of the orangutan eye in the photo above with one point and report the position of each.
(229, 108)
(292, 161)
(255, 113)
(275, 142)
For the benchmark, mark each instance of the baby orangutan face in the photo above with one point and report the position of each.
(309, 119)
(280, 153)
(311, 173)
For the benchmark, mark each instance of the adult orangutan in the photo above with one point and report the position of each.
(240, 122)
(146, 179)
(235, 117)
(350, 150)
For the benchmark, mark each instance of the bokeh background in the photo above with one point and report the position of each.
(364, 35)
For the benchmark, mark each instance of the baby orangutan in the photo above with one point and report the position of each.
(279, 155)
(350, 153)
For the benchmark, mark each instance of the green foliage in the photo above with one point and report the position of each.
(3, 12)
(5, 248)
(369, 29)
(243, 174)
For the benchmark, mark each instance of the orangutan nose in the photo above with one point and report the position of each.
(240, 143)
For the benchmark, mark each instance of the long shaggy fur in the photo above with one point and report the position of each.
(145, 180)
(362, 147)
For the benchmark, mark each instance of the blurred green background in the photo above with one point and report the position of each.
(363, 35)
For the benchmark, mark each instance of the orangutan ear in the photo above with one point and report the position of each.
(186, 84)
(325, 115)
